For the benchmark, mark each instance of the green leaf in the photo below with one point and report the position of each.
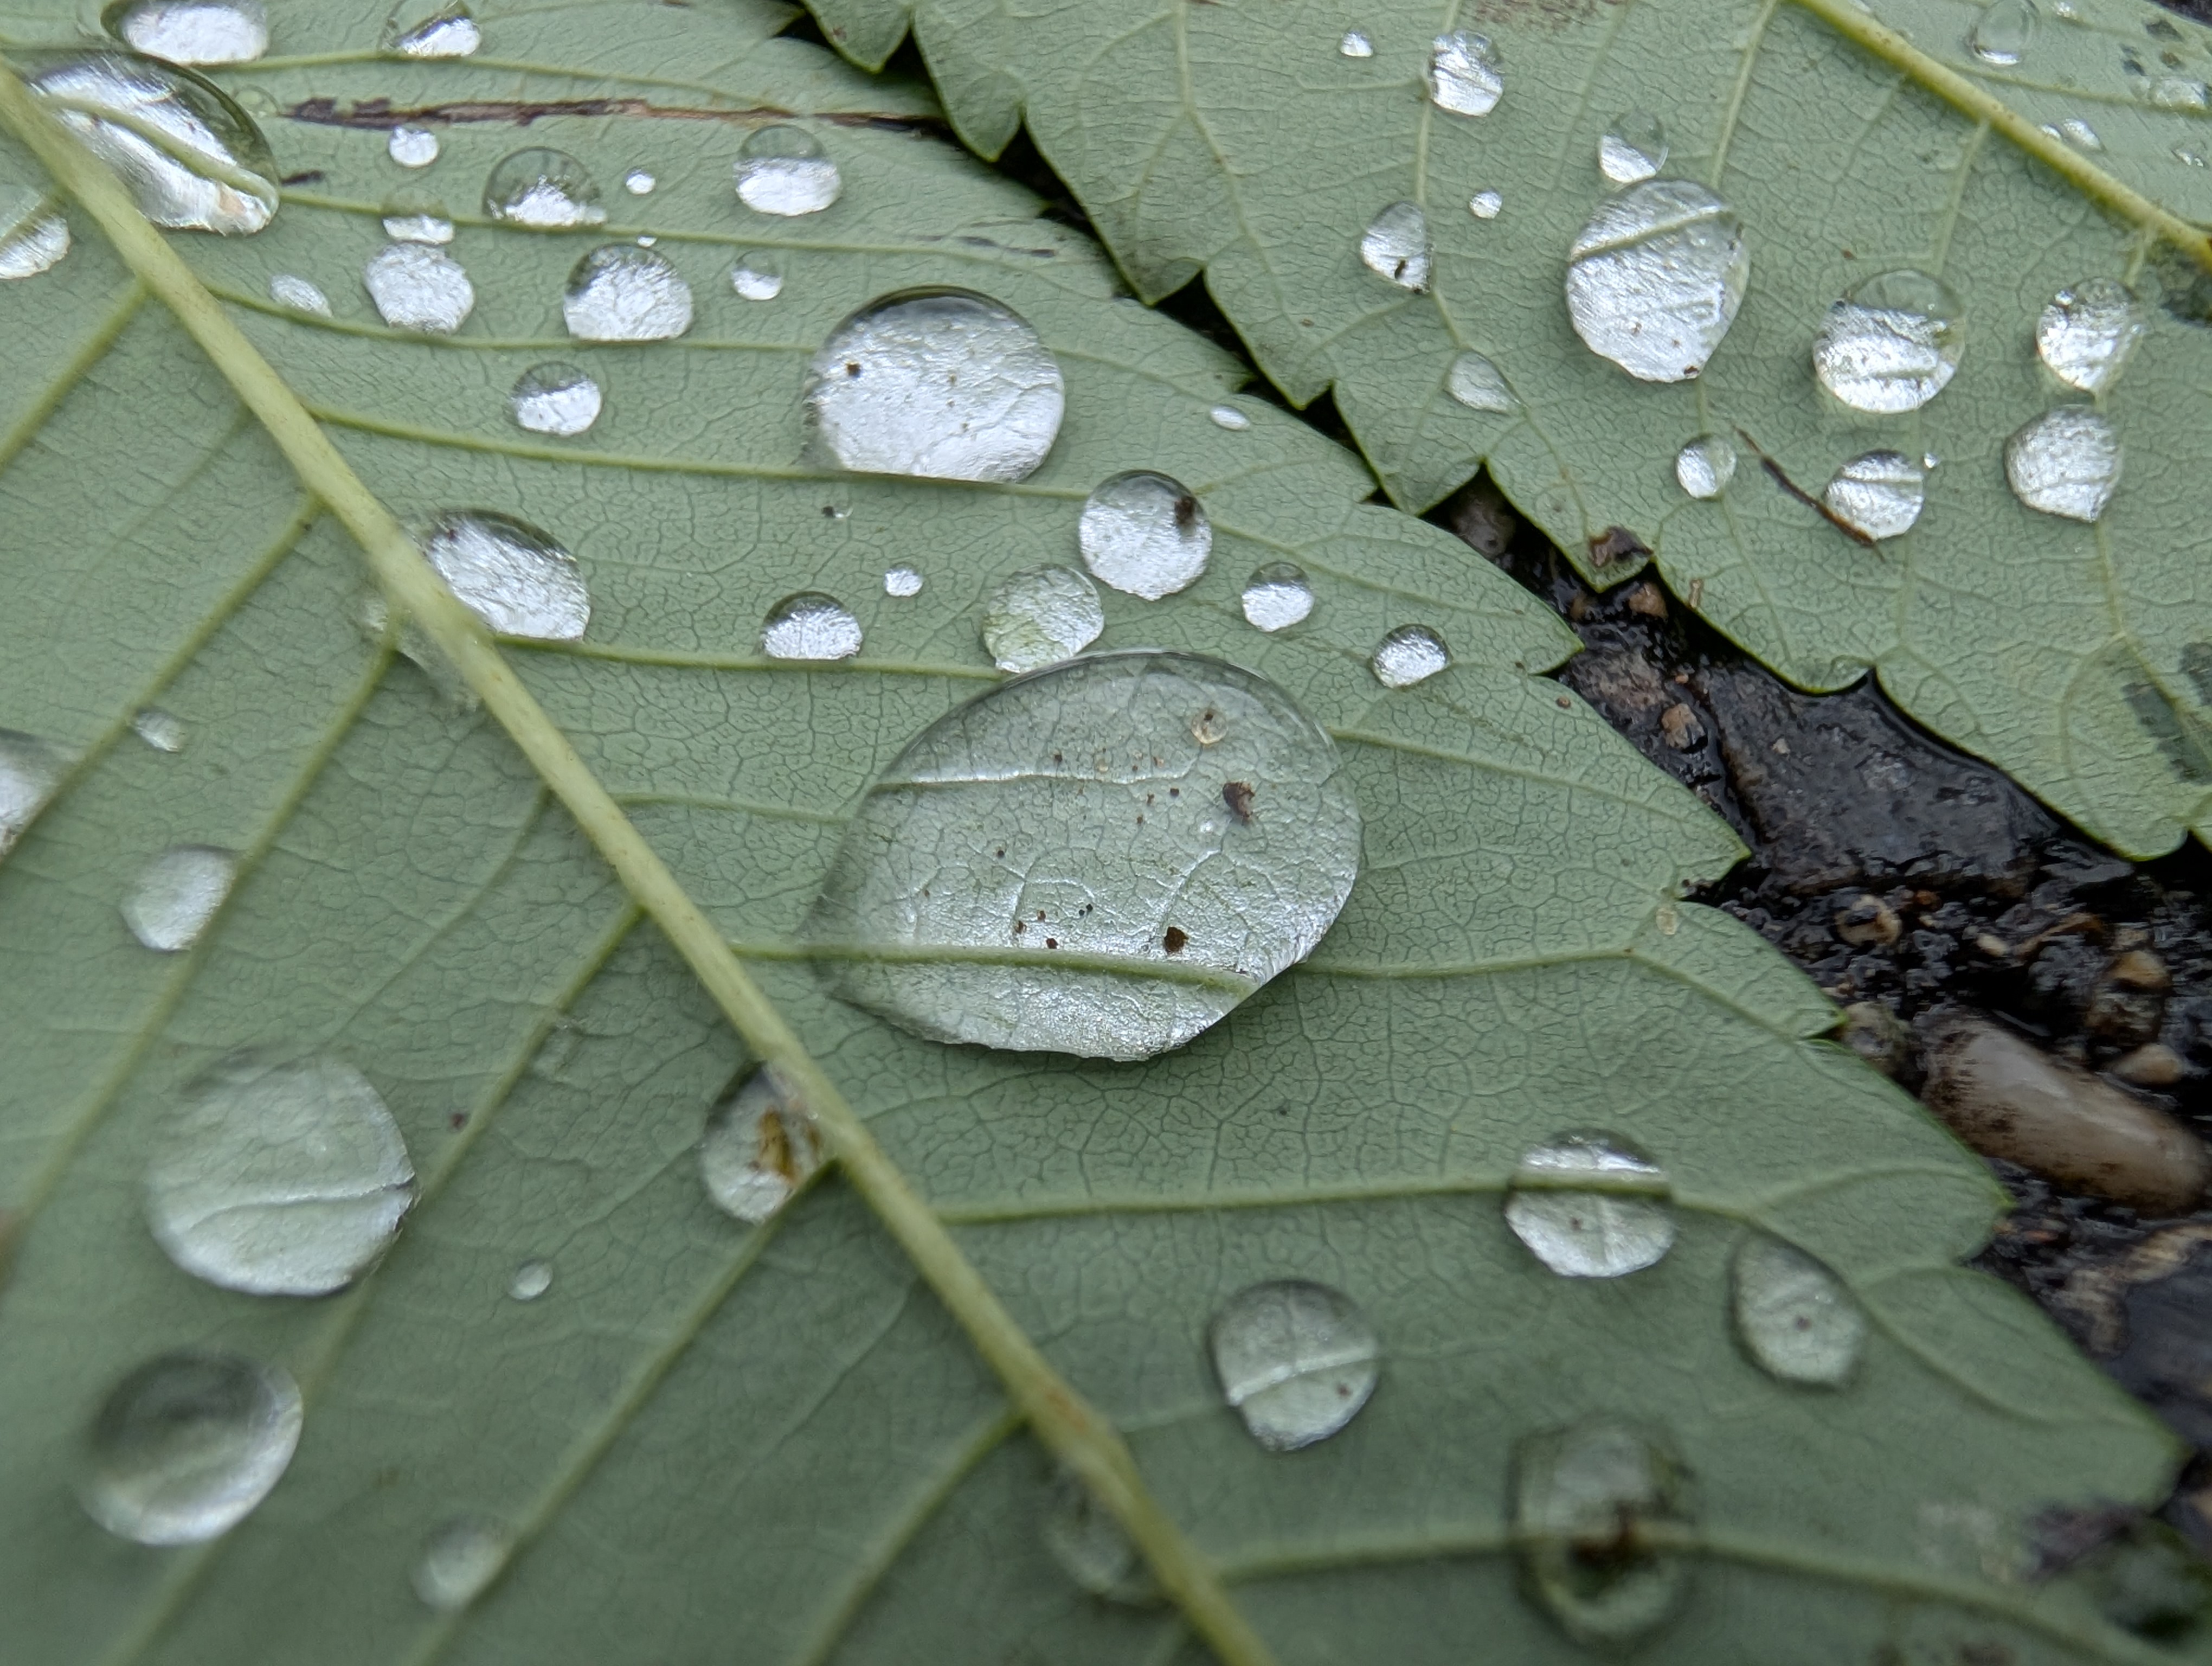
(1236, 138)
(779, 1442)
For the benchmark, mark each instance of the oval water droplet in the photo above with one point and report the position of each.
(554, 398)
(902, 581)
(1633, 149)
(1411, 654)
(414, 215)
(1591, 1206)
(757, 278)
(1082, 1535)
(2087, 332)
(1464, 76)
(176, 894)
(783, 170)
(1296, 1359)
(1036, 618)
(621, 292)
(1355, 44)
(2003, 33)
(34, 235)
(31, 769)
(1485, 204)
(298, 294)
(2180, 92)
(1656, 277)
(512, 576)
(1103, 858)
(1705, 467)
(639, 182)
(2066, 462)
(418, 288)
(1145, 534)
(941, 384)
(1891, 344)
(760, 1147)
(163, 731)
(1580, 1497)
(459, 1560)
(194, 32)
(2079, 134)
(451, 33)
(412, 147)
(1879, 494)
(531, 1279)
(810, 626)
(185, 1447)
(1479, 385)
(1229, 417)
(1395, 245)
(1794, 1315)
(543, 191)
(279, 1180)
(1276, 597)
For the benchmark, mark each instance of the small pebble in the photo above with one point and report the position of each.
(1866, 921)
(1993, 946)
(1876, 1035)
(1781, 748)
(2138, 968)
(2151, 1065)
(1681, 728)
(1649, 600)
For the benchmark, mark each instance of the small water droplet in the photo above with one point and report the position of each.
(2180, 92)
(1039, 617)
(419, 288)
(1395, 245)
(760, 1147)
(459, 1560)
(1297, 1360)
(1356, 44)
(783, 170)
(810, 626)
(1794, 1315)
(1656, 277)
(2003, 33)
(1581, 1497)
(163, 731)
(639, 182)
(544, 190)
(414, 215)
(34, 235)
(1591, 1206)
(2087, 332)
(2189, 156)
(2066, 462)
(531, 1279)
(200, 32)
(1880, 493)
(1485, 204)
(941, 384)
(1229, 417)
(2079, 134)
(554, 398)
(412, 147)
(1464, 76)
(1633, 149)
(2066, 11)
(1705, 467)
(185, 1447)
(451, 33)
(757, 278)
(1891, 344)
(1145, 534)
(299, 294)
(176, 894)
(1276, 597)
(512, 576)
(31, 769)
(1083, 1538)
(620, 292)
(279, 1180)
(1930, 461)
(1479, 385)
(902, 581)
(1411, 654)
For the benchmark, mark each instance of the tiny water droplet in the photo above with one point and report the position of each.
(1633, 149)
(1930, 461)
(163, 731)
(1705, 467)
(2180, 92)
(783, 170)
(177, 893)
(2079, 134)
(1296, 1359)
(1229, 417)
(1581, 1497)
(2066, 462)
(2066, 11)
(200, 32)
(1464, 76)
(1485, 204)
(451, 33)
(810, 626)
(34, 235)
(512, 576)
(940, 384)
(279, 1180)
(418, 288)
(414, 215)
(1039, 617)
(2087, 332)
(756, 277)
(2189, 156)
(1356, 44)
(1411, 654)
(2003, 33)
(543, 191)
(1794, 1315)
(1395, 245)
(639, 182)
(1656, 277)
(1145, 534)
(412, 147)
(902, 581)
(1276, 597)
(459, 1560)
(1591, 1206)
(1891, 344)
(620, 292)
(1083, 1538)
(1479, 385)
(554, 398)
(31, 769)
(1880, 493)
(760, 1146)
(531, 1279)
(299, 294)
(185, 1447)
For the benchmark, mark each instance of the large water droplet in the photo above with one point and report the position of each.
(1395, 245)
(1879, 494)
(176, 894)
(756, 277)
(2066, 462)
(1172, 816)
(1591, 1206)
(1581, 1497)
(186, 1445)
(783, 170)
(460, 1558)
(1705, 467)
(189, 157)
(810, 626)
(1036, 618)
(1892, 344)
(544, 190)
(902, 581)
(31, 768)
(1633, 149)
(197, 32)
(2003, 33)
(1794, 1315)
(1411, 654)
(1297, 1360)
(1479, 385)
(1656, 277)
(2086, 332)
(531, 1280)
(412, 147)
(451, 33)
(1276, 597)
(1145, 534)
(163, 731)
(298, 294)
(34, 235)
(941, 384)
(1091, 1549)
(620, 292)
(760, 1147)
(554, 398)
(512, 576)
(279, 1180)
(1464, 76)
(418, 288)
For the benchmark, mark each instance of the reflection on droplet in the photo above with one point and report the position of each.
(2180, 92)
(31, 768)
(1591, 1206)
(1172, 817)
(1040, 615)
(2086, 332)
(461, 1558)
(783, 170)
(1879, 494)
(531, 1279)
(1082, 1535)
(639, 182)
(279, 1180)
(194, 32)
(1656, 277)
(1356, 44)
(1794, 1315)
(1296, 1359)
(2079, 134)
(1411, 654)
(186, 1446)
(413, 215)
(512, 576)
(163, 731)
(1229, 417)
(620, 292)
(2003, 33)
(554, 398)
(1705, 467)
(760, 1146)
(941, 384)
(1891, 344)
(1145, 534)
(1580, 1497)
(810, 626)
(34, 235)
(1479, 385)
(1485, 204)
(1633, 149)
(412, 147)
(1464, 76)
(419, 288)
(451, 33)
(2189, 156)
(902, 581)
(2066, 462)
(176, 894)
(299, 294)
(756, 277)
(1276, 597)
(544, 190)
(1395, 245)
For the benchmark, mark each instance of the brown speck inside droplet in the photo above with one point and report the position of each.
(1052, 942)
(1174, 939)
(852, 368)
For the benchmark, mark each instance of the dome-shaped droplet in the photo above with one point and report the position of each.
(34, 235)
(810, 626)
(1705, 466)
(1082, 1535)
(1633, 149)
(902, 581)
(1170, 830)
(2066, 462)
(512, 576)
(186, 1445)
(1656, 277)
(640, 182)
(2003, 33)
(554, 398)
(1891, 344)
(1040, 615)
(459, 1560)
(1229, 417)
(2087, 332)
(2178, 92)
(279, 1180)
(194, 32)
(1145, 534)
(531, 1280)
(418, 288)
(1355, 44)
(31, 768)
(544, 190)
(2079, 134)
(1582, 1497)
(783, 170)
(163, 731)
(1276, 597)
(1485, 204)
(412, 147)
(1412, 654)
(1297, 1360)
(1464, 76)
(1879, 494)
(1591, 1206)
(1395, 245)
(176, 894)
(450, 32)
(758, 276)
(941, 384)
(414, 215)
(190, 158)
(620, 292)
(298, 294)
(760, 1147)
(1479, 385)
(1794, 1315)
